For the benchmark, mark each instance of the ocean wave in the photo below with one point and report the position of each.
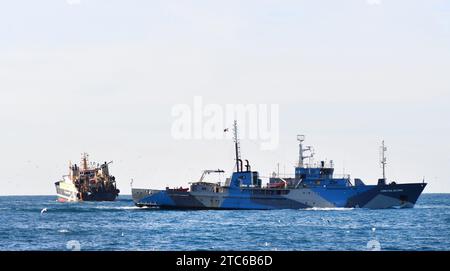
(432, 206)
(328, 209)
(118, 208)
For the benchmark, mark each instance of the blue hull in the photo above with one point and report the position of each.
(368, 196)
(312, 187)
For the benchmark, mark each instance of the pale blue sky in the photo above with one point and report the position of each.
(102, 77)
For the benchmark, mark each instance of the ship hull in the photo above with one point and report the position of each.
(68, 193)
(366, 196)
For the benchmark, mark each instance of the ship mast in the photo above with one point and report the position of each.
(236, 145)
(383, 150)
(302, 150)
(84, 160)
(300, 139)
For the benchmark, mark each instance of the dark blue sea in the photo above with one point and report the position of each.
(121, 226)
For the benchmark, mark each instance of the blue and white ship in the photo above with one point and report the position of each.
(313, 186)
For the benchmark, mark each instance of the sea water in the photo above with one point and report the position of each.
(42, 223)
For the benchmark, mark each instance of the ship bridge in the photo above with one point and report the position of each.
(316, 174)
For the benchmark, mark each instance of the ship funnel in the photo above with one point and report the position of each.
(105, 169)
(247, 166)
(239, 165)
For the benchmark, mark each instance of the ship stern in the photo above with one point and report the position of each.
(66, 192)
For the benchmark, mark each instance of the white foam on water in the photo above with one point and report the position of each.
(432, 206)
(73, 245)
(328, 209)
(373, 245)
(63, 231)
(118, 208)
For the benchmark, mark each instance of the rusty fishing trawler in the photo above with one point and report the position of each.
(90, 182)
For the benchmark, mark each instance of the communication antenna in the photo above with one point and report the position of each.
(383, 162)
(311, 154)
(236, 145)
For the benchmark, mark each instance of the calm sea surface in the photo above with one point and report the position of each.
(121, 226)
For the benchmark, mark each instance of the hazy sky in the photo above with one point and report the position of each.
(102, 77)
